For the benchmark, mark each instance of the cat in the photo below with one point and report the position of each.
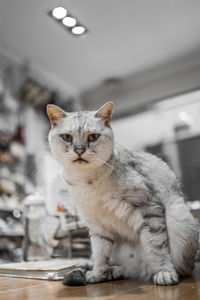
(139, 224)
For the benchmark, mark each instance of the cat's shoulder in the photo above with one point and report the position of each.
(140, 160)
(128, 156)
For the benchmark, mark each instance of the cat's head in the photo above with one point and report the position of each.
(81, 140)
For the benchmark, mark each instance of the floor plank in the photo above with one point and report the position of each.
(28, 289)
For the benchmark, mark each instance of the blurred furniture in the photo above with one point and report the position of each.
(11, 234)
(189, 156)
(58, 236)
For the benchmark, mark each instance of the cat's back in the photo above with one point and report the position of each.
(150, 169)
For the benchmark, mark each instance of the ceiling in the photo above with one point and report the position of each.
(125, 37)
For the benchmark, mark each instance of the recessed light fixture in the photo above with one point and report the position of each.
(59, 12)
(62, 16)
(69, 21)
(78, 30)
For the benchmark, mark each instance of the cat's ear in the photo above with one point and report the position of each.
(55, 113)
(105, 112)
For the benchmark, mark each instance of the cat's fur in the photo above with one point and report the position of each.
(139, 224)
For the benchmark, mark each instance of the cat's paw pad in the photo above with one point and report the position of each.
(166, 278)
(75, 277)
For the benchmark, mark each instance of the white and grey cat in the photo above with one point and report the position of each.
(139, 224)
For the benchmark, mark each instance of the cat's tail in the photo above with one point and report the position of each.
(183, 233)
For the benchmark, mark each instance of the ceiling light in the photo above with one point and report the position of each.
(59, 12)
(78, 30)
(66, 19)
(69, 21)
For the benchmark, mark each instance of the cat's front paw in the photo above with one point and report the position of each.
(87, 266)
(75, 277)
(99, 275)
(166, 278)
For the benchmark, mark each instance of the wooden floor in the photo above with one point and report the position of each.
(28, 289)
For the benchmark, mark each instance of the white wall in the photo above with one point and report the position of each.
(157, 125)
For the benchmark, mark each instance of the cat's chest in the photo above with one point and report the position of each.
(101, 204)
(90, 196)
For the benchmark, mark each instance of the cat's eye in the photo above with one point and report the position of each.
(67, 137)
(93, 137)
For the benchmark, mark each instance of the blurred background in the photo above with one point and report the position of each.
(142, 55)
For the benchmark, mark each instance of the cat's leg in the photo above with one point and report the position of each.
(183, 232)
(101, 250)
(155, 243)
(99, 270)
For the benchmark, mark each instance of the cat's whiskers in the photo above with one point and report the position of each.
(104, 162)
(120, 145)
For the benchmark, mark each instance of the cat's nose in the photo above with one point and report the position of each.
(79, 149)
